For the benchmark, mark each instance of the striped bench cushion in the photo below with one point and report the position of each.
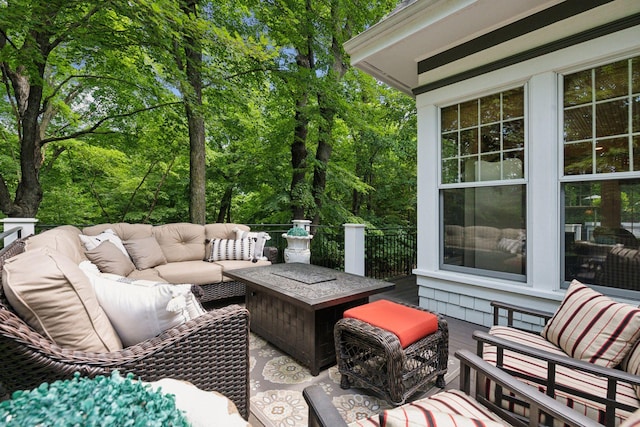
(592, 327)
(447, 408)
(565, 376)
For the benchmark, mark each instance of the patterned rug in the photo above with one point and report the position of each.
(277, 381)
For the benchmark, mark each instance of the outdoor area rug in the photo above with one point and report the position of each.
(277, 381)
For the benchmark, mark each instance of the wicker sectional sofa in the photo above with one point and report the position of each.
(55, 321)
(184, 246)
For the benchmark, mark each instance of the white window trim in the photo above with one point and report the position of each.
(543, 168)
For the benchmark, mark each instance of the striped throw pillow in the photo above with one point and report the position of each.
(592, 327)
(230, 249)
(631, 364)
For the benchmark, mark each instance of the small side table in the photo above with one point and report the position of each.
(375, 358)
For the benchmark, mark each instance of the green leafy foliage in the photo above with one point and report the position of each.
(101, 401)
(115, 142)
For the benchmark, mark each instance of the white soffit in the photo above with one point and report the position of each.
(391, 49)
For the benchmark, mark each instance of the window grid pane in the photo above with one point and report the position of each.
(601, 119)
(478, 134)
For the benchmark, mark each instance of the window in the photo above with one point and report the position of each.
(601, 189)
(482, 184)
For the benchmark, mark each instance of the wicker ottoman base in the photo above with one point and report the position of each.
(374, 358)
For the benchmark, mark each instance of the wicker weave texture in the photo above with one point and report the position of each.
(211, 352)
(373, 357)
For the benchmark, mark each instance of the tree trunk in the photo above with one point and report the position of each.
(323, 153)
(195, 120)
(225, 205)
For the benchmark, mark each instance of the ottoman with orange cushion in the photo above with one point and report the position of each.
(392, 349)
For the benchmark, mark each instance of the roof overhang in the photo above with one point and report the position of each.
(432, 40)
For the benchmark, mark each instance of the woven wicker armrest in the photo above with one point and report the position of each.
(211, 352)
(323, 413)
(499, 307)
(553, 361)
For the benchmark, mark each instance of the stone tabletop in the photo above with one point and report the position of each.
(311, 284)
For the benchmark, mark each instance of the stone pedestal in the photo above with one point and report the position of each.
(297, 249)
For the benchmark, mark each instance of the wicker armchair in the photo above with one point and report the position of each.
(211, 352)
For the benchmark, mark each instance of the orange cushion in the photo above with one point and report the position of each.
(409, 324)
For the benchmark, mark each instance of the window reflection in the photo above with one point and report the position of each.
(602, 231)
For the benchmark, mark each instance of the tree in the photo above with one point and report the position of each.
(311, 38)
(47, 51)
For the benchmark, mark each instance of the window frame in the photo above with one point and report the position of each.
(590, 177)
(520, 279)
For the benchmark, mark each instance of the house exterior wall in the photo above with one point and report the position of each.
(467, 296)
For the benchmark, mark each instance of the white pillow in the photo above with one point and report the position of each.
(260, 238)
(202, 408)
(142, 309)
(92, 242)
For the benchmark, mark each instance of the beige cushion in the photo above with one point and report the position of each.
(123, 230)
(592, 327)
(481, 237)
(110, 259)
(147, 274)
(181, 242)
(63, 239)
(195, 272)
(145, 252)
(50, 292)
(141, 309)
(223, 230)
(448, 408)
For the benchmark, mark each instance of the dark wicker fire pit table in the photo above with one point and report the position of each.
(295, 306)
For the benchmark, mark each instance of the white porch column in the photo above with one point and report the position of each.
(28, 228)
(354, 248)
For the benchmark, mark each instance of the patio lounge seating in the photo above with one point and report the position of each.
(607, 392)
(456, 408)
(210, 351)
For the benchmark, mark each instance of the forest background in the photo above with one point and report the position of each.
(164, 111)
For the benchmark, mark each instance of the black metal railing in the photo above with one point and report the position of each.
(389, 252)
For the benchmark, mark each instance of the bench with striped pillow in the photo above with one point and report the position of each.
(589, 327)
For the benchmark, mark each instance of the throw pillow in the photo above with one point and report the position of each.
(109, 259)
(142, 309)
(513, 246)
(592, 327)
(260, 238)
(228, 249)
(631, 364)
(50, 292)
(202, 408)
(145, 252)
(92, 242)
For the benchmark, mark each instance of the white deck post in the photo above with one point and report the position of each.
(28, 228)
(354, 248)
